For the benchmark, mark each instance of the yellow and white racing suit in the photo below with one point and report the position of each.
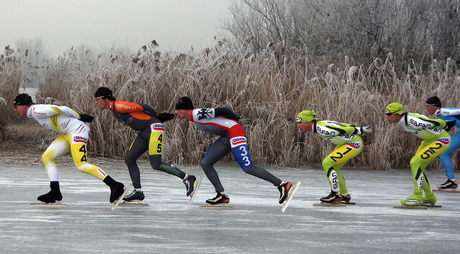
(74, 138)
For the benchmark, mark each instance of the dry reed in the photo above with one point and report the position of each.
(269, 88)
(9, 86)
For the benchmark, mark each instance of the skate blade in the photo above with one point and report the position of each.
(133, 203)
(56, 204)
(433, 206)
(218, 206)
(117, 202)
(411, 206)
(347, 203)
(288, 200)
(330, 204)
(447, 190)
(195, 189)
(430, 205)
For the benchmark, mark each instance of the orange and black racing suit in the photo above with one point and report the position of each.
(143, 118)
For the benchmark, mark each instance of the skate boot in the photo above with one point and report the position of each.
(346, 198)
(116, 192)
(221, 198)
(415, 199)
(136, 195)
(284, 188)
(449, 184)
(116, 188)
(429, 200)
(333, 197)
(190, 184)
(53, 196)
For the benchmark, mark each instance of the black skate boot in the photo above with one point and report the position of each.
(116, 188)
(189, 184)
(333, 197)
(136, 195)
(53, 196)
(221, 198)
(449, 184)
(284, 188)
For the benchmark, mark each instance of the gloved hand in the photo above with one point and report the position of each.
(449, 125)
(86, 118)
(165, 117)
(366, 129)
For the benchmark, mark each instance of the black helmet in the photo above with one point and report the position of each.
(23, 99)
(184, 103)
(434, 101)
(103, 93)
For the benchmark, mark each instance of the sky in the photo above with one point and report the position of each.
(176, 25)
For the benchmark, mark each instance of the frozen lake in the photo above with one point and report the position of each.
(256, 225)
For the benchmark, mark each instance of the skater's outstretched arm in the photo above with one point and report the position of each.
(129, 107)
(227, 113)
(43, 111)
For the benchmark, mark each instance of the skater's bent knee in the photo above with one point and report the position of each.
(155, 162)
(155, 165)
(47, 157)
(130, 161)
(327, 163)
(205, 164)
(444, 156)
(416, 161)
(84, 168)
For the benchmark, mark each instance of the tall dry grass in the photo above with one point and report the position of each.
(9, 86)
(269, 88)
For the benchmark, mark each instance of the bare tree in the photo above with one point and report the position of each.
(361, 29)
(32, 60)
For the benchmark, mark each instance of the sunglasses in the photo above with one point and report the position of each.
(388, 114)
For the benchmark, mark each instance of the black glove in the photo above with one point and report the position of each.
(165, 117)
(449, 125)
(86, 118)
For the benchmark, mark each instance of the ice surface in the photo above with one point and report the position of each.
(257, 225)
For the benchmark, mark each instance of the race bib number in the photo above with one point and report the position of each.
(156, 139)
(242, 156)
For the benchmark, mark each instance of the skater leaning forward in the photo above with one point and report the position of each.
(142, 118)
(433, 107)
(436, 140)
(73, 138)
(224, 123)
(349, 144)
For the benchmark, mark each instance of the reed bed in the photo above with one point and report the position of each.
(9, 86)
(269, 88)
